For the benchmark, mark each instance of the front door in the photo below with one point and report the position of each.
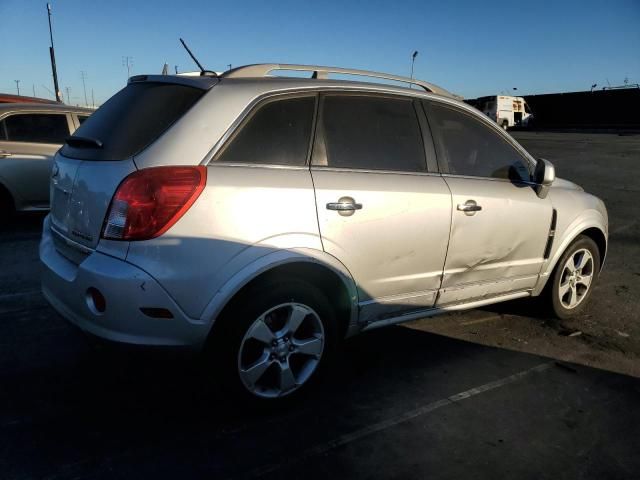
(499, 225)
(380, 211)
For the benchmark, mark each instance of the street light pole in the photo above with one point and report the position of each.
(413, 60)
(53, 56)
(18, 85)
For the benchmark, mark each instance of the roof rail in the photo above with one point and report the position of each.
(263, 70)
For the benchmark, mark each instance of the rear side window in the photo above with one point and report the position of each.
(82, 118)
(278, 133)
(372, 133)
(35, 127)
(131, 120)
(473, 149)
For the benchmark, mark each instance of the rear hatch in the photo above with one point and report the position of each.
(93, 162)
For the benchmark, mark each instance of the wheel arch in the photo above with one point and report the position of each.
(319, 268)
(595, 232)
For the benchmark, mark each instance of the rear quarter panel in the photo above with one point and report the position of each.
(244, 213)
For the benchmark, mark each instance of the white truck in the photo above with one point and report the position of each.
(507, 111)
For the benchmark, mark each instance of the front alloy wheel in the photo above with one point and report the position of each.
(281, 350)
(574, 276)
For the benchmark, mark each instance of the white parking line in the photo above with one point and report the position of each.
(393, 421)
(481, 320)
(623, 228)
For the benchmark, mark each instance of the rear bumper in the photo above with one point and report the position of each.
(126, 290)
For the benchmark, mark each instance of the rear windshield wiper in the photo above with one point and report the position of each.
(83, 142)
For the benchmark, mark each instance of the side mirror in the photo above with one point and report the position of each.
(543, 176)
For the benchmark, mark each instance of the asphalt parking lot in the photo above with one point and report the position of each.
(502, 392)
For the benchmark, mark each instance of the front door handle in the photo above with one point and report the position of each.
(470, 207)
(345, 206)
(4, 153)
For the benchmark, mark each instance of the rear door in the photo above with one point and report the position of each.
(28, 142)
(381, 212)
(499, 225)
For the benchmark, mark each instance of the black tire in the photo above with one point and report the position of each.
(223, 348)
(505, 125)
(553, 290)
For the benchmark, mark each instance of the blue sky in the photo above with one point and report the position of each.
(472, 48)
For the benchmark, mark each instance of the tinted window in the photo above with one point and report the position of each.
(36, 127)
(471, 148)
(82, 118)
(374, 133)
(132, 119)
(277, 133)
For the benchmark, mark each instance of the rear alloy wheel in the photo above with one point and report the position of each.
(574, 277)
(274, 339)
(281, 350)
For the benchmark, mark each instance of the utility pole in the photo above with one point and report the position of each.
(68, 95)
(127, 62)
(176, 67)
(18, 85)
(83, 76)
(413, 60)
(34, 89)
(53, 56)
(93, 100)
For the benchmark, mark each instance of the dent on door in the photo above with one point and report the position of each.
(498, 236)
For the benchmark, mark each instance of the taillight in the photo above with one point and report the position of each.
(149, 202)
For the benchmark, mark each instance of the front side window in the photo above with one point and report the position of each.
(372, 133)
(470, 148)
(36, 127)
(278, 133)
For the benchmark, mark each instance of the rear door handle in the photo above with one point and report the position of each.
(4, 153)
(470, 207)
(345, 206)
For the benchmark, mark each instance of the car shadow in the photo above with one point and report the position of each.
(73, 408)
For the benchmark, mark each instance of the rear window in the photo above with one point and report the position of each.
(131, 120)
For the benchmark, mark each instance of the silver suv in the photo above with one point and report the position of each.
(30, 135)
(262, 219)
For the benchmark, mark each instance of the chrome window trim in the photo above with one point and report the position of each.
(258, 165)
(365, 170)
(493, 179)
